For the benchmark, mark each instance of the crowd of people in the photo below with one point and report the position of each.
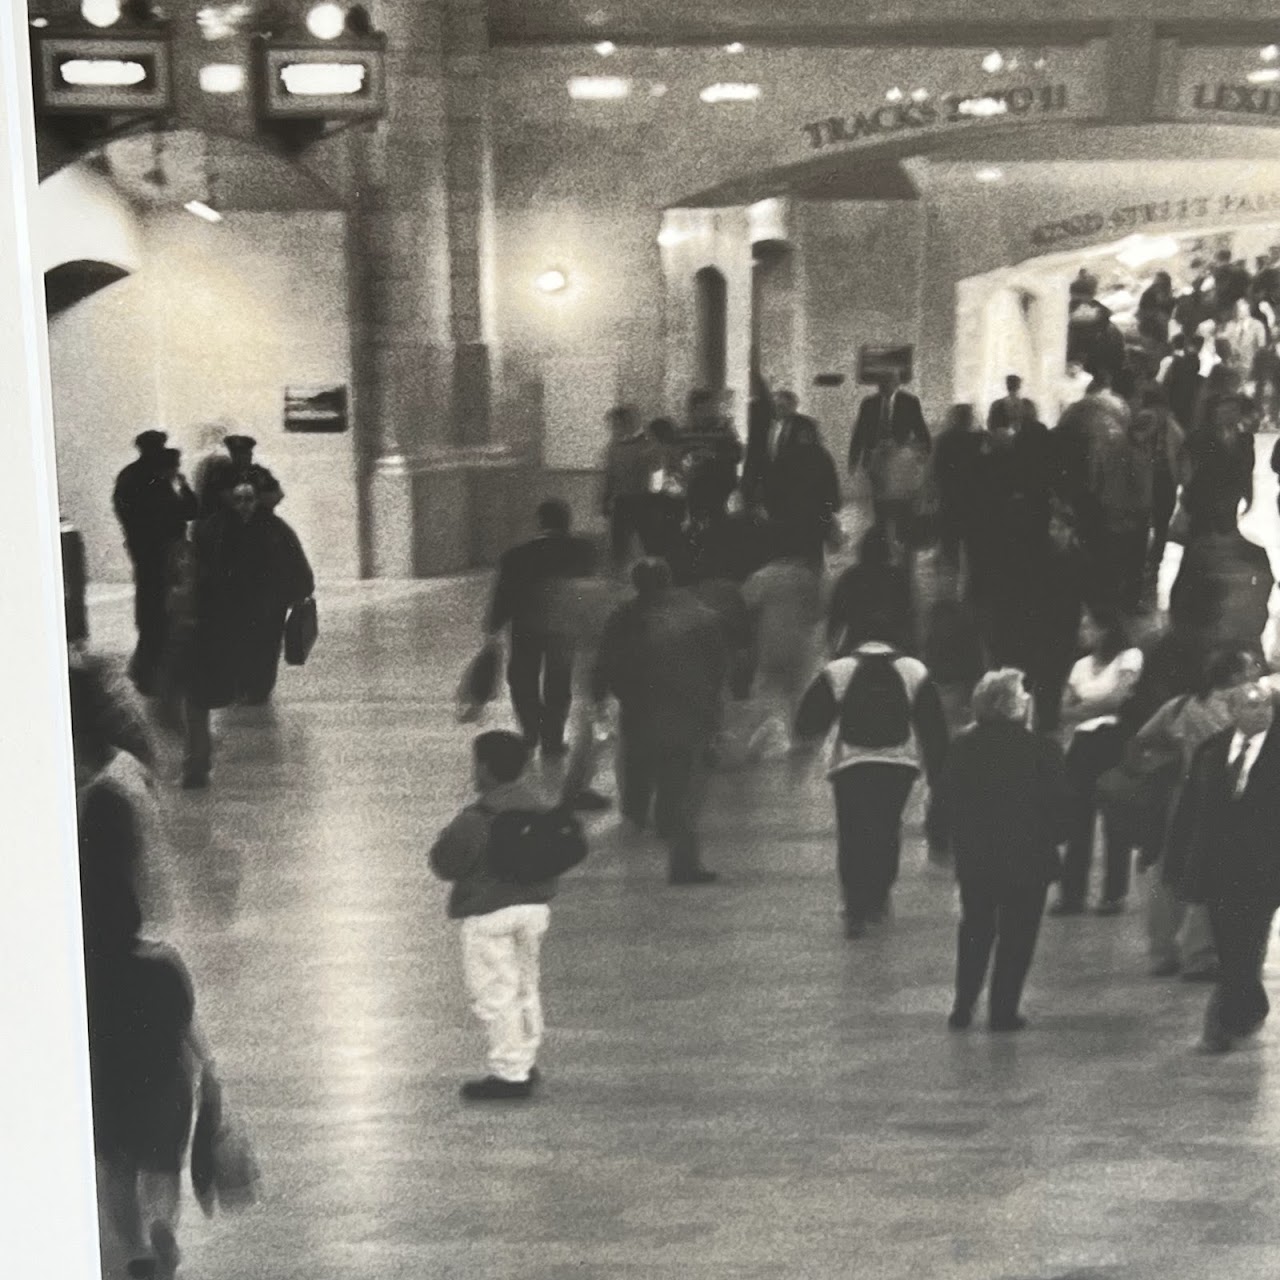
(1036, 693)
(1089, 708)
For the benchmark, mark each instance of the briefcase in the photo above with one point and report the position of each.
(301, 629)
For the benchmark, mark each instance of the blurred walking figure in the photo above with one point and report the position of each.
(891, 443)
(889, 722)
(663, 656)
(801, 487)
(631, 459)
(871, 599)
(153, 503)
(219, 474)
(532, 596)
(249, 569)
(1003, 800)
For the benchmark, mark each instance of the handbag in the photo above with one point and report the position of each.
(301, 629)
(224, 1172)
(479, 683)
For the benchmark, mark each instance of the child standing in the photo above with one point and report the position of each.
(503, 922)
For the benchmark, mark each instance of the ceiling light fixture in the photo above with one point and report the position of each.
(982, 107)
(993, 62)
(991, 174)
(553, 281)
(326, 21)
(1270, 54)
(1264, 75)
(606, 48)
(221, 77)
(919, 95)
(893, 95)
(598, 88)
(730, 93)
(100, 13)
(735, 46)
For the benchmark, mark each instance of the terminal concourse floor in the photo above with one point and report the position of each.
(732, 1089)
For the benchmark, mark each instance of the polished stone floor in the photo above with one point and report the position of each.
(732, 1089)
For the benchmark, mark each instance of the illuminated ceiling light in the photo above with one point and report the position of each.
(606, 48)
(1266, 75)
(1138, 251)
(993, 62)
(1040, 63)
(554, 281)
(326, 21)
(982, 107)
(40, 22)
(735, 46)
(598, 88)
(989, 175)
(100, 73)
(323, 79)
(221, 77)
(222, 22)
(669, 237)
(1270, 53)
(657, 90)
(202, 210)
(919, 95)
(100, 13)
(730, 93)
(893, 95)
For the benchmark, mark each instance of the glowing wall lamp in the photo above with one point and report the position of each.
(551, 282)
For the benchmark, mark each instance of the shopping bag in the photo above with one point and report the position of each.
(479, 684)
(301, 629)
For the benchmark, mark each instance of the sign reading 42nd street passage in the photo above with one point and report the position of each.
(949, 109)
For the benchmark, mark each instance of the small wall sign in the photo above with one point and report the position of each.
(315, 410)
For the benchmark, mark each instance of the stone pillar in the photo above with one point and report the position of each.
(420, 251)
(1132, 71)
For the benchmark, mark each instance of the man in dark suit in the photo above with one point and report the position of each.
(531, 599)
(890, 413)
(153, 504)
(1223, 839)
(1011, 410)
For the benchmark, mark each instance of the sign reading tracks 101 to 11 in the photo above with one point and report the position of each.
(951, 108)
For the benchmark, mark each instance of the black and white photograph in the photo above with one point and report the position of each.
(641, 639)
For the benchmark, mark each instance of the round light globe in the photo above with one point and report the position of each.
(551, 282)
(326, 21)
(100, 13)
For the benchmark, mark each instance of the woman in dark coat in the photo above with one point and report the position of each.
(802, 493)
(249, 569)
(1003, 799)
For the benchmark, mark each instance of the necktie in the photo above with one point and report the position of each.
(1235, 772)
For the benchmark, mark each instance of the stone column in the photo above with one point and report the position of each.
(421, 262)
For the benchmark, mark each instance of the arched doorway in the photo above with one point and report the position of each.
(711, 331)
(773, 318)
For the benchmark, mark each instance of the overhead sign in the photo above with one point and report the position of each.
(308, 82)
(1017, 102)
(101, 74)
(1229, 85)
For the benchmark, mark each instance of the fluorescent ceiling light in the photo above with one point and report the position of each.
(598, 88)
(606, 48)
(102, 73)
(735, 46)
(989, 175)
(322, 79)
(730, 93)
(221, 77)
(1267, 75)
(202, 210)
(982, 107)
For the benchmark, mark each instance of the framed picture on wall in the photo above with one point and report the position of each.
(875, 360)
(318, 410)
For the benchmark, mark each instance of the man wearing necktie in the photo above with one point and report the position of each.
(1226, 836)
(891, 417)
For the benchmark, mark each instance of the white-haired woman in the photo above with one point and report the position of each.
(1004, 800)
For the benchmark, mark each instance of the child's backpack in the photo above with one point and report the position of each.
(876, 711)
(527, 846)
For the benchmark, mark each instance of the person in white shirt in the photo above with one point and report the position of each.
(1099, 685)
